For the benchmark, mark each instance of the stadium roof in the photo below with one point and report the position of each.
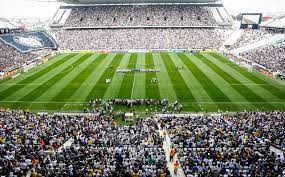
(4, 23)
(276, 22)
(133, 1)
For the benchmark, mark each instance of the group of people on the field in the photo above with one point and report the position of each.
(137, 70)
(232, 145)
(179, 68)
(154, 80)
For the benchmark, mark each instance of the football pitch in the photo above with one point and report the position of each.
(205, 82)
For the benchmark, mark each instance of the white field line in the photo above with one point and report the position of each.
(69, 104)
(43, 84)
(62, 107)
(133, 85)
(44, 102)
(23, 84)
(269, 82)
(249, 84)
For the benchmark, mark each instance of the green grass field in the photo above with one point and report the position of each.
(209, 82)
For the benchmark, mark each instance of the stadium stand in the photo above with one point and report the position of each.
(271, 57)
(154, 15)
(110, 149)
(26, 42)
(116, 150)
(11, 58)
(88, 145)
(124, 27)
(155, 38)
(250, 36)
(237, 145)
(20, 48)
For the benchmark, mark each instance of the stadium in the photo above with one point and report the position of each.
(142, 88)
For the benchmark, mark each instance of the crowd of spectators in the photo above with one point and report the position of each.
(152, 15)
(103, 148)
(232, 145)
(272, 57)
(250, 36)
(142, 38)
(98, 146)
(26, 139)
(11, 58)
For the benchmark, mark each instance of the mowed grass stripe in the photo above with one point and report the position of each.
(232, 94)
(85, 88)
(58, 87)
(117, 80)
(139, 78)
(214, 92)
(248, 94)
(127, 83)
(30, 87)
(48, 84)
(255, 92)
(182, 92)
(269, 98)
(72, 86)
(199, 93)
(165, 85)
(31, 72)
(100, 87)
(151, 89)
(2, 82)
(272, 88)
(9, 91)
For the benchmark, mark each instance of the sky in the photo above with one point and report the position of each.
(239, 6)
(46, 9)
